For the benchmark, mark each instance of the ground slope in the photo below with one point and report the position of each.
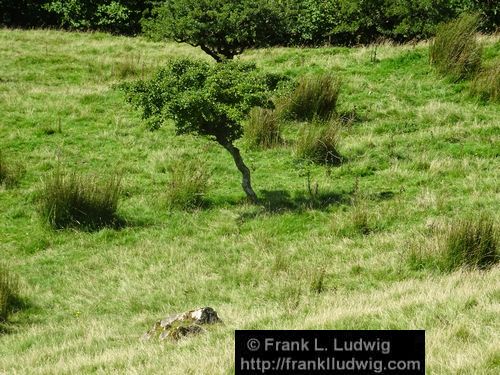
(420, 153)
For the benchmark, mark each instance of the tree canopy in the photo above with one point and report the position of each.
(222, 29)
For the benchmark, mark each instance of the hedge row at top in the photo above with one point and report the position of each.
(293, 22)
(116, 16)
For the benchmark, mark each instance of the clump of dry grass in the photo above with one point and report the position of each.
(130, 66)
(318, 281)
(455, 51)
(471, 244)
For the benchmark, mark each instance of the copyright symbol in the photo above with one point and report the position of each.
(253, 345)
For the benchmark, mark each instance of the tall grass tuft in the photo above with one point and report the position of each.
(360, 220)
(130, 66)
(4, 169)
(8, 293)
(467, 243)
(317, 142)
(188, 184)
(318, 282)
(471, 244)
(486, 84)
(314, 97)
(9, 172)
(263, 128)
(455, 51)
(74, 201)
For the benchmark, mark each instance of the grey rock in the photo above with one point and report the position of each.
(177, 326)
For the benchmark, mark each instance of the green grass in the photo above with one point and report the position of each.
(421, 151)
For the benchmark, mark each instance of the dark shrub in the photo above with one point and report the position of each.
(305, 22)
(455, 51)
(349, 22)
(73, 201)
(25, 13)
(263, 128)
(253, 23)
(489, 10)
(314, 96)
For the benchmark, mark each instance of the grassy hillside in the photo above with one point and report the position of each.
(420, 153)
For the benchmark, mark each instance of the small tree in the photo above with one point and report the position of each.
(222, 29)
(209, 100)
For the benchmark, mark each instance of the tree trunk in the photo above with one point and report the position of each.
(245, 172)
(211, 53)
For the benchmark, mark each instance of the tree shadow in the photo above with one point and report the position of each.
(383, 195)
(90, 224)
(276, 201)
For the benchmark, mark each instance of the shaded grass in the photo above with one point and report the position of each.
(10, 172)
